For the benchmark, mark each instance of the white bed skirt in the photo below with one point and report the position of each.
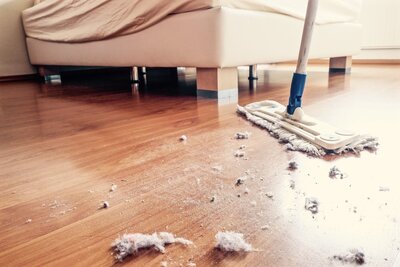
(218, 37)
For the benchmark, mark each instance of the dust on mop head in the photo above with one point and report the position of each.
(295, 143)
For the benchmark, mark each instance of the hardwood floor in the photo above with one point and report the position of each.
(63, 146)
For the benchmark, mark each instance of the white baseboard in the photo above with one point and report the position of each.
(379, 54)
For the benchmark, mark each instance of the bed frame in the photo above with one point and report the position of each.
(214, 41)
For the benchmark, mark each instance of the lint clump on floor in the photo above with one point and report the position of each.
(113, 187)
(384, 189)
(312, 204)
(335, 173)
(232, 242)
(242, 135)
(130, 244)
(240, 180)
(239, 153)
(292, 184)
(105, 205)
(270, 195)
(213, 199)
(354, 256)
(293, 165)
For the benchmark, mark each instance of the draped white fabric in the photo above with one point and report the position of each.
(90, 20)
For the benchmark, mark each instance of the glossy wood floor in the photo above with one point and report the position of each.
(63, 146)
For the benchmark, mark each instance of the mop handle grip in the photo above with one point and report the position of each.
(306, 37)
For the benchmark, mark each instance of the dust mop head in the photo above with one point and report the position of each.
(291, 140)
(296, 143)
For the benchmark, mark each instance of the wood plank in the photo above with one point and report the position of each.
(68, 143)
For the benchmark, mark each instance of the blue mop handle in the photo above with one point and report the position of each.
(299, 77)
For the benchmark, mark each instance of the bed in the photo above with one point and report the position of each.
(214, 38)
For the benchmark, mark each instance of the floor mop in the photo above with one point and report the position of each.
(291, 126)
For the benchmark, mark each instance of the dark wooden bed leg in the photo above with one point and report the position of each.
(220, 83)
(340, 64)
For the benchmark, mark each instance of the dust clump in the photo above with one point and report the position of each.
(239, 154)
(292, 184)
(232, 241)
(293, 165)
(335, 173)
(55, 204)
(353, 256)
(213, 199)
(240, 180)
(242, 135)
(130, 244)
(270, 195)
(113, 187)
(312, 204)
(183, 138)
(384, 189)
(105, 205)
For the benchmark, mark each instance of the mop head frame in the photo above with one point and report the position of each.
(309, 135)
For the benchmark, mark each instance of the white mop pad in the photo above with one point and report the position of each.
(295, 143)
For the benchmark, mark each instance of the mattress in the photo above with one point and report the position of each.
(83, 21)
(211, 38)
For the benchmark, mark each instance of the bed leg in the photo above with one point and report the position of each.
(142, 75)
(340, 64)
(220, 83)
(253, 72)
(134, 75)
(49, 73)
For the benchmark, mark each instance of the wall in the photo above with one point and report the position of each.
(381, 22)
(13, 56)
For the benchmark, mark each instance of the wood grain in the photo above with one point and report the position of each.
(69, 143)
(214, 79)
(340, 64)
